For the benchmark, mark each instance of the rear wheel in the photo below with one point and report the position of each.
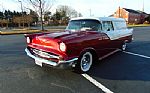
(85, 62)
(124, 46)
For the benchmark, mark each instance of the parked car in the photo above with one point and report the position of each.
(84, 41)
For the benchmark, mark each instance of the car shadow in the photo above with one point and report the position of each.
(122, 66)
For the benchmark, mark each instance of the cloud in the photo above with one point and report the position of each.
(11, 5)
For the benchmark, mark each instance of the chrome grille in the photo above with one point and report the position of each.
(44, 54)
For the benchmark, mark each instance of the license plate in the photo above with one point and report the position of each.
(38, 62)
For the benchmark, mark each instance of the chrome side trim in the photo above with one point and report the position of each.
(109, 54)
(48, 61)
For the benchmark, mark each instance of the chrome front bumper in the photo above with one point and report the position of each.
(61, 64)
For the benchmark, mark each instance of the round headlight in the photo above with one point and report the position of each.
(28, 40)
(62, 47)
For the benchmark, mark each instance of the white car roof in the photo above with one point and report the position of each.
(100, 18)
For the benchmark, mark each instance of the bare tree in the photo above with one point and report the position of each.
(4, 22)
(27, 20)
(41, 7)
(69, 11)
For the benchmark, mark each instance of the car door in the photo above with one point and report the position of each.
(108, 29)
(102, 42)
(94, 39)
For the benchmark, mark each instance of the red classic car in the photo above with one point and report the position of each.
(84, 41)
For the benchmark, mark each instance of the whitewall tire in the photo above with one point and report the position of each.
(85, 62)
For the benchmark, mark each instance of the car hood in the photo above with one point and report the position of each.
(52, 40)
(66, 35)
(55, 35)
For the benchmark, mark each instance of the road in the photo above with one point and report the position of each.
(123, 72)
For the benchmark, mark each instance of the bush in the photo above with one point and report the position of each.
(146, 22)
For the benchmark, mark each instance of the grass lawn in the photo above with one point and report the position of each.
(139, 25)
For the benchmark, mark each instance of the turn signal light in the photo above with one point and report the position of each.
(28, 40)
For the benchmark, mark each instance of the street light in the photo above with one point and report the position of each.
(22, 11)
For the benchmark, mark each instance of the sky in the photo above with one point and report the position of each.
(98, 8)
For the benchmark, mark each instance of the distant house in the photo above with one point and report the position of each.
(148, 19)
(130, 15)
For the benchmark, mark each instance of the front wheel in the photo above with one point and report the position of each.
(85, 62)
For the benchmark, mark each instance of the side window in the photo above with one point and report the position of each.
(107, 26)
(100, 27)
(119, 25)
(95, 26)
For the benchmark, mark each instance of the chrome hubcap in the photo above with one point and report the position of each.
(86, 61)
(124, 47)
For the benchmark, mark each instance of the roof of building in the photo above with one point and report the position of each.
(141, 12)
(131, 11)
(134, 11)
(100, 18)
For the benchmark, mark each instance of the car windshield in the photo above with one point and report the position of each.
(83, 25)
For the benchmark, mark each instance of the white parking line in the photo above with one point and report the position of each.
(96, 83)
(137, 54)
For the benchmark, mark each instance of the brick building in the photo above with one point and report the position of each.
(130, 15)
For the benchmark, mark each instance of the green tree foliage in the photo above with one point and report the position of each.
(11, 18)
(63, 14)
(34, 15)
(68, 11)
(1, 15)
(47, 16)
(7, 14)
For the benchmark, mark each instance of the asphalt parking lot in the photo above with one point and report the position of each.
(123, 72)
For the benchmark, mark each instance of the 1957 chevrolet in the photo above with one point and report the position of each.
(84, 41)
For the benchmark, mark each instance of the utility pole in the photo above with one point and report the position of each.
(119, 11)
(90, 12)
(41, 14)
(22, 12)
(143, 7)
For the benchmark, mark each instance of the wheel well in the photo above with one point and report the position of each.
(92, 51)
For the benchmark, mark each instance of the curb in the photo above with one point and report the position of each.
(27, 31)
